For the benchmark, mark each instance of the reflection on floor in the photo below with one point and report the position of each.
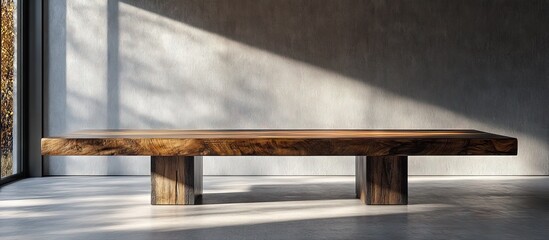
(275, 208)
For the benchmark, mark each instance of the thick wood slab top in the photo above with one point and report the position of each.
(279, 143)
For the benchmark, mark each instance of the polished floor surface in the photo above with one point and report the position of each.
(275, 208)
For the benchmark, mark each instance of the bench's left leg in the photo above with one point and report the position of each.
(382, 180)
(176, 180)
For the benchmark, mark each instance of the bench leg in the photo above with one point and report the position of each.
(382, 180)
(176, 180)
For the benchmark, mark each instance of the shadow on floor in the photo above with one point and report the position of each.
(285, 192)
(425, 225)
(318, 208)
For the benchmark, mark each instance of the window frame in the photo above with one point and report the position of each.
(29, 89)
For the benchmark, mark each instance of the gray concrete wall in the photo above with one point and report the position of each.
(301, 64)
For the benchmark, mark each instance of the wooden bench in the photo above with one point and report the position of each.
(381, 155)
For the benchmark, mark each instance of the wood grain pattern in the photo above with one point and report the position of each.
(176, 180)
(176, 165)
(382, 180)
(280, 143)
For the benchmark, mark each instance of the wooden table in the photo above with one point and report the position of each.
(381, 155)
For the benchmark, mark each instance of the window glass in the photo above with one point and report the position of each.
(8, 145)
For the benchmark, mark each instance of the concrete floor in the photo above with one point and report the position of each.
(275, 208)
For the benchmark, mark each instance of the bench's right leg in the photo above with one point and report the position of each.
(176, 180)
(382, 180)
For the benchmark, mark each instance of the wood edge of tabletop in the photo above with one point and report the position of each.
(510, 150)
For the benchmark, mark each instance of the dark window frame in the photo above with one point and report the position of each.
(29, 89)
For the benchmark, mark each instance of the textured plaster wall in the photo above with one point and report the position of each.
(301, 64)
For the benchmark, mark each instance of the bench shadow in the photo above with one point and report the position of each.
(457, 193)
(284, 192)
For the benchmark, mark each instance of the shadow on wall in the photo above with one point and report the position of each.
(486, 60)
(264, 64)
